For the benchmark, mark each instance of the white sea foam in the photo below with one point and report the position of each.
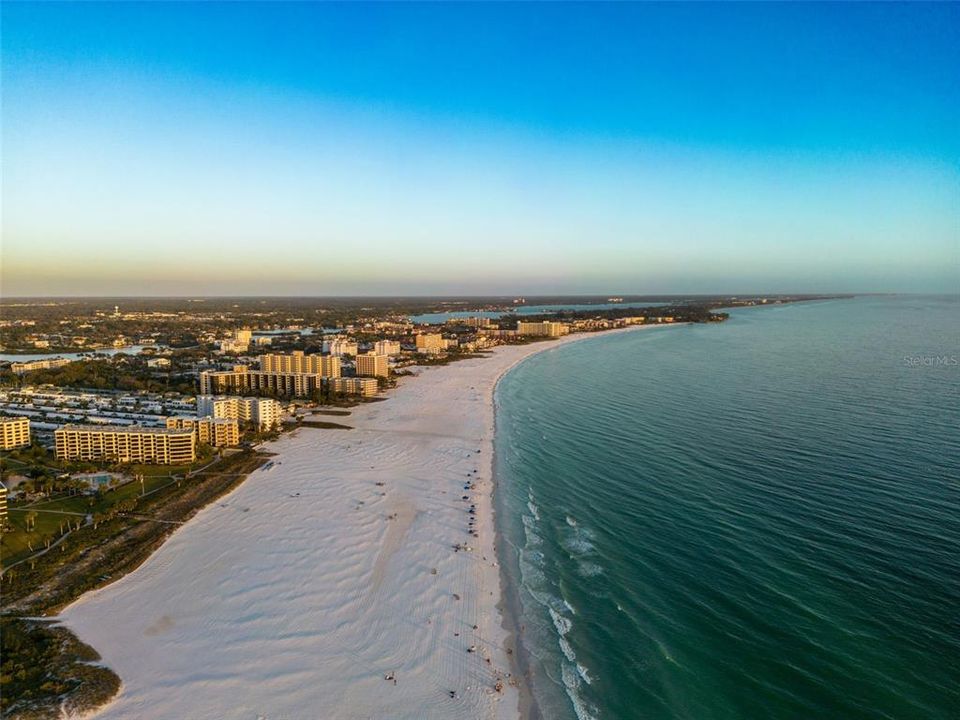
(530, 533)
(582, 671)
(545, 599)
(531, 573)
(578, 545)
(561, 623)
(529, 522)
(571, 681)
(589, 569)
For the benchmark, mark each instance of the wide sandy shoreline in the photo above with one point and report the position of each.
(297, 594)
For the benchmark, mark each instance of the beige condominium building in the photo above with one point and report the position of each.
(297, 362)
(3, 503)
(430, 342)
(387, 347)
(363, 386)
(373, 365)
(24, 367)
(263, 413)
(239, 342)
(242, 380)
(216, 432)
(342, 346)
(14, 432)
(131, 443)
(542, 329)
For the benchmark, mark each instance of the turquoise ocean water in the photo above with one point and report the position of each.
(757, 519)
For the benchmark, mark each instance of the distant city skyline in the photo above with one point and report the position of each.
(461, 149)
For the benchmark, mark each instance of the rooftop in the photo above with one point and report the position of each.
(127, 429)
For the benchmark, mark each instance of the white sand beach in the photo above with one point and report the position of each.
(296, 595)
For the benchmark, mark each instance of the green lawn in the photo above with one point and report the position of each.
(15, 544)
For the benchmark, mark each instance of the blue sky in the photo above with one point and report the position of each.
(499, 148)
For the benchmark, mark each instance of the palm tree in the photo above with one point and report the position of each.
(31, 520)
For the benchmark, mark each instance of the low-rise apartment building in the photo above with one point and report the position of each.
(14, 432)
(363, 386)
(134, 444)
(24, 367)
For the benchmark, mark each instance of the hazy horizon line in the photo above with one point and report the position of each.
(637, 297)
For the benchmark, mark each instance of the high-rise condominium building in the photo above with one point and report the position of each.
(240, 342)
(217, 432)
(242, 380)
(342, 346)
(263, 413)
(542, 329)
(160, 446)
(387, 347)
(297, 362)
(430, 342)
(373, 365)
